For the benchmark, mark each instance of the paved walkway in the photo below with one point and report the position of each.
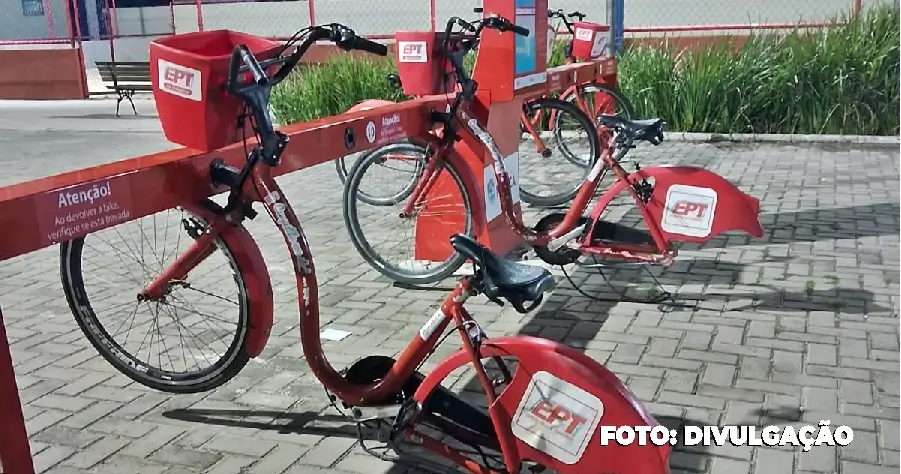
(798, 327)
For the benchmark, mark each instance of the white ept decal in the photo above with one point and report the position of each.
(557, 418)
(584, 34)
(430, 326)
(600, 44)
(689, 210)
(412, 51)
(179, 80)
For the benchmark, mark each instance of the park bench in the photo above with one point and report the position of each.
(125, 78)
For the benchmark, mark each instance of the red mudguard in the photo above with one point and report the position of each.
(692, 204)
(551, 411)
(256, 279)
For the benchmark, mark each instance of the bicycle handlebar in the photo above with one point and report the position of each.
(456, 57)
(565, 17)
(256, 93)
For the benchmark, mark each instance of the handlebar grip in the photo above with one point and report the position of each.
(519, 30)
(370, 46)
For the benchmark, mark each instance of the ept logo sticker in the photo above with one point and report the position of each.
(689, 210)
(557, 417)
(412, 51)
(179, 80)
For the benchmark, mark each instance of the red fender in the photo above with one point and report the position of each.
(692, 204)
(247, 255)
(551, 410)
(370, 104)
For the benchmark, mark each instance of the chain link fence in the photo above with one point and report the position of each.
(38, 21)
(121, 30)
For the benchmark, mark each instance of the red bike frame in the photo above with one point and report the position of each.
(651, 254)
(261, 187)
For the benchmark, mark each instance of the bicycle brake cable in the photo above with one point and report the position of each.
(294, 38)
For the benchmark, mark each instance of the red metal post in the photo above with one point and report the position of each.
(172, 16)
(69, 14)
(109, 21)
(15, 454)
(114, 28)
(48, 11)
(433, 14)
(199, 16)
(312, 5)
(858, 6)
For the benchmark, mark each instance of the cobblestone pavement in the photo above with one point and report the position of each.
(798, 327)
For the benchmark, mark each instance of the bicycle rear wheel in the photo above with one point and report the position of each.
(600, 99)
(389, 153)
(450, 209)
(173, 317)
(562, 129)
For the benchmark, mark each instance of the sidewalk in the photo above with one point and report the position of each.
(798, 327)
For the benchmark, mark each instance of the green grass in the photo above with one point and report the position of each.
(842, 80)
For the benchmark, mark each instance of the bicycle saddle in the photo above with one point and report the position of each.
(647, 129)
(502, 278)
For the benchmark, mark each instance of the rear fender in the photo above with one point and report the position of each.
(249, 259)
(691, 204)
(551, 411)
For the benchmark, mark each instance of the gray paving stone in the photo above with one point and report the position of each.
(794, 328)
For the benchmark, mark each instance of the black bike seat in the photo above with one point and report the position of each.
(504, 278)
(645, 129)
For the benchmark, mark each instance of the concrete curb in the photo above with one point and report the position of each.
(781, 138)
(685, 136)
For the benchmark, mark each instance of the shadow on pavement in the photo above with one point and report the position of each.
(281, 422)
(568, 309)
(817, 225)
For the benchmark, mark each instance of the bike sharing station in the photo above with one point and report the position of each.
(550, 409)
(505, 81)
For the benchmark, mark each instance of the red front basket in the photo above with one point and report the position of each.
(421, 64)
(188, 73)
(589, 40)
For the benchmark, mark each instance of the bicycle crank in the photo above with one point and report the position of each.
(563, 255)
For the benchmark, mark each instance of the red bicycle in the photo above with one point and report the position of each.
(545, 409)
(550, 127)
(593, 98)
(677, 203)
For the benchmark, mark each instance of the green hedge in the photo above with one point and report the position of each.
(842, 80)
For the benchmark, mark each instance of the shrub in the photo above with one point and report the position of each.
(844, 79)
(332, 88)
(839, 80)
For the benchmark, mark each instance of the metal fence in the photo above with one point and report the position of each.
(37, 20)
(122, 29)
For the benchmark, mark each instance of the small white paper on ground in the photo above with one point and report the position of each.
(333, 334)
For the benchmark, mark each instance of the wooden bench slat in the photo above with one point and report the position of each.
(130, 77)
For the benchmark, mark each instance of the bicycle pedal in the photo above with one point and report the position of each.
(361, 414)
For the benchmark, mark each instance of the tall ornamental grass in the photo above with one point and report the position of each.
(840, 80)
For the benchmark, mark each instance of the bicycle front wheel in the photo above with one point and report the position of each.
(196, 350)
(558, 128)
(412, 248)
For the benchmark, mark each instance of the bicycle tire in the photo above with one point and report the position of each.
(341, 168)
(376, 261)
(561, 108)
(228, 366)
(619, 98)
